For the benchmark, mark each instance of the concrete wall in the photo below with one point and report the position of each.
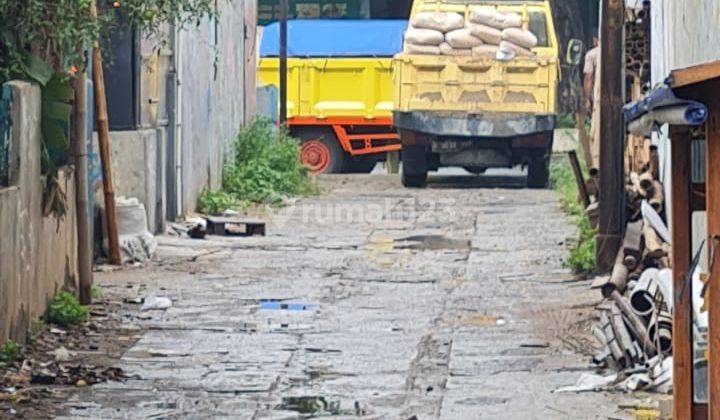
(134, 156)
(211, 79)
(212, 84)
(37, 254)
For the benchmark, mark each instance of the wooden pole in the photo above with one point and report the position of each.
(103, 128)
(713, 220)
(612, 135)
(681, 255)
(283, 62)
(79, 139)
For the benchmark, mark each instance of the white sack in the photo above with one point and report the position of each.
(495, 19)
(485, 51)
(510, 20)
(422, 49)
(446, 49)
(462, 39)
(424, 37)
(516, 50)
(487, 34)
(443, 22)
(137, 244)
(520, 37)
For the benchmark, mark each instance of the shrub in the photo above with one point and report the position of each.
(265, 168)
(65, 310)
(9, 353)
(582, 258)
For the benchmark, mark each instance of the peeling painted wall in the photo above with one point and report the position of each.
(37, 254)
(213, 75)
(212, 60)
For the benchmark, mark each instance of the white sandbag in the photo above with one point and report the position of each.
(487, 34)
(510, 20)
(485, 51)
(443, 22)
(521, 37)
(495, 19)
(462, 39)
(505, 53)
(446, 49)
(488, 17)
(424, 36)
(516, 50)
(137, 244)
(422, 49)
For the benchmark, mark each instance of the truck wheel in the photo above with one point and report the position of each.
(361, 165)
(539, 170)
(477, 170)
(414, 167)
(321, 152)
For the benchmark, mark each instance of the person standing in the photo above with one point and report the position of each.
(591, 88)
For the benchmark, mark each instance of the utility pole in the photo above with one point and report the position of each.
(80, 146)
(283, 62)
(612, 136)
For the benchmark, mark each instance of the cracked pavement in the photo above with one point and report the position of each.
(370, 301)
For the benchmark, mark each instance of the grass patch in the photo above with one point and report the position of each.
(265, 169)
(582, 255)
(10, 353)
(66, 311)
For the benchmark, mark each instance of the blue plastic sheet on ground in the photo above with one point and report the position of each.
(336, 38)
(280, 306)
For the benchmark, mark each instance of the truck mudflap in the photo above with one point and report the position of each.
(473, 125)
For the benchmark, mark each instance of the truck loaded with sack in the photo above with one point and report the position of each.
(476, 87)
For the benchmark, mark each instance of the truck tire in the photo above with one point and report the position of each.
(320, 151)
(414, 167)
(539, 170)
(361, 164)
(476, 170)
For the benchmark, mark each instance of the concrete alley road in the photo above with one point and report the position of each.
(370, 301)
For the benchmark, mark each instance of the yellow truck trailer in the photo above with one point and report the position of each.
(480, 109)
(340, 89)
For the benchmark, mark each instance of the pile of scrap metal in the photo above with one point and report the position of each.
(635, 320)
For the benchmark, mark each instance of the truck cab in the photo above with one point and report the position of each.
(478, 111)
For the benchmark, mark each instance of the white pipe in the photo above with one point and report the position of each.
(178, 122)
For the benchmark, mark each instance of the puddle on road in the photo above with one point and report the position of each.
(310, 405)
(432, 243)
(476, 321)
(280, 306)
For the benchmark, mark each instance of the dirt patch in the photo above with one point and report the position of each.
(57, 361)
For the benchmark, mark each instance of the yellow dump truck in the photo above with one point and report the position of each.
(340, 89)
(482, 107)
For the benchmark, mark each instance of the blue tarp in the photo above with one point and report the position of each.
(663, 97)
(336, 38)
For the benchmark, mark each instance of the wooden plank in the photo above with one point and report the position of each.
(681, 242)
(579, 178)
(713, 215)
(695, 74)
